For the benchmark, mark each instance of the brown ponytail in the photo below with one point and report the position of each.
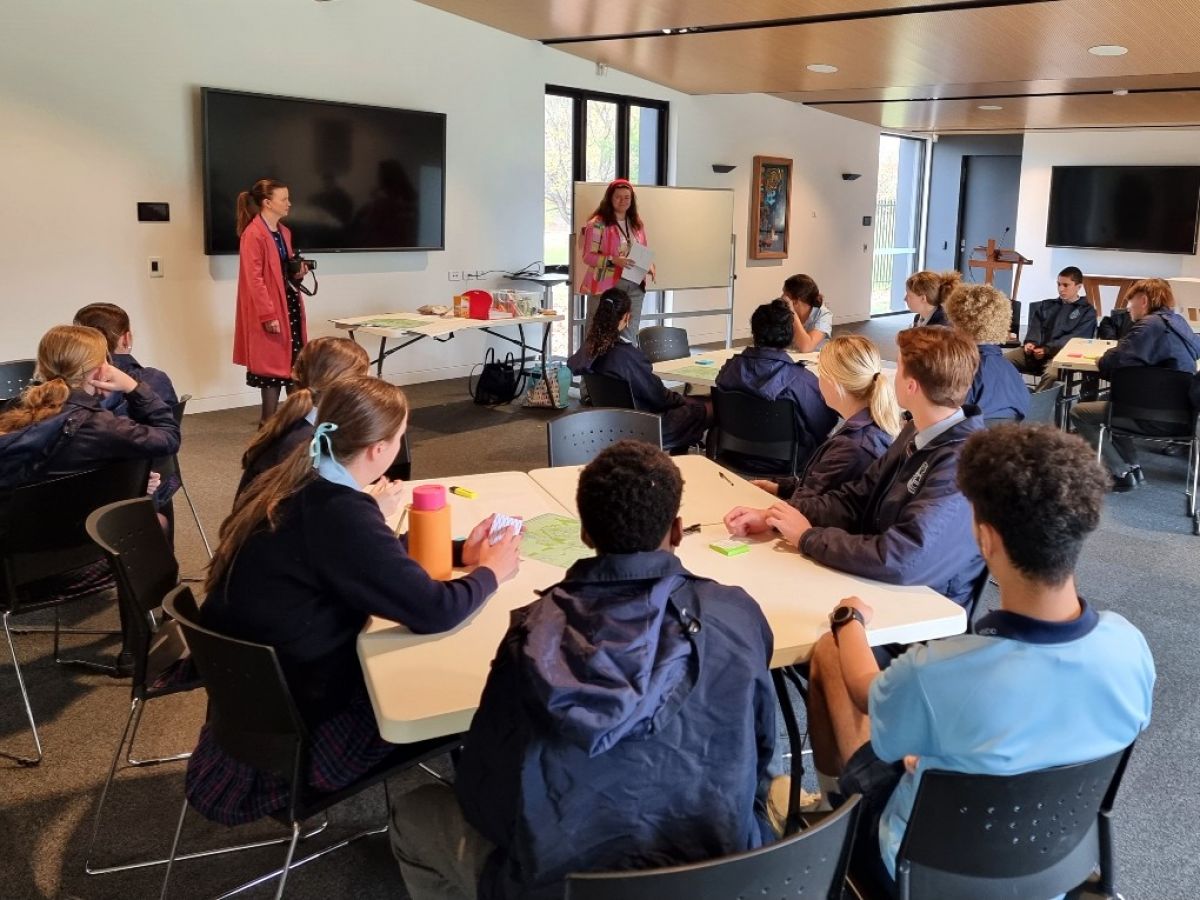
(66, 354)
(935, 287)
(322, 362)
(365, 410)
(249, 203)
(606, 322)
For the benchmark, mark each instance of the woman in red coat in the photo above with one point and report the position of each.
(270, 327)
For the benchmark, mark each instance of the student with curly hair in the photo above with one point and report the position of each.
(627, 722)
(925, 292)
(1063, 682)
(984, 314)
(606, 351)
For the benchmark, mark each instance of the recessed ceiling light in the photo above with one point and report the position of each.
(1121, 93)
(990, 106)
(1108, 50)
(666, 31)
(822, 68)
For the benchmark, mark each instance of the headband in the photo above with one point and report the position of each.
(620, 182)
(321, 433)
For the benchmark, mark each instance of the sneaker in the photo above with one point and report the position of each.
(1123, 484)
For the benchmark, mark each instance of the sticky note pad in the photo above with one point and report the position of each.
(730, 547)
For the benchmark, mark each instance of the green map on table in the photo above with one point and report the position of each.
(683, 373)
(553, 539)
(398, 324)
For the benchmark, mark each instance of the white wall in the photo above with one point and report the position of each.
(100, 105)
(1044, 150)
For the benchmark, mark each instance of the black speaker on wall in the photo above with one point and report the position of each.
(154, 212)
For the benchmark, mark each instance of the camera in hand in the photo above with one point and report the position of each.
(295, 273)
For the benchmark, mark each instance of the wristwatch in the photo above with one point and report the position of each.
(844, 615)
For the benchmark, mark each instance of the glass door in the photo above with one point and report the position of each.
(899, 205)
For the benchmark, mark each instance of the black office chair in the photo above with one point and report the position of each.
(401, 467)
(1014, 326)
(574, 439)
(748, 430)
(604, 391)
(811, 863)
(15, 376)
(1044, 405)
(1158, 402)
(660, 343)
(989, 837)
(253, 718)
(43, 537)
(168, 467)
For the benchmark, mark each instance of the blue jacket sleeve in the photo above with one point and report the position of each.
(1036, 327)
(648, 389)
(148, 432)
(841, 508)
(841, 461)
(1135, 349)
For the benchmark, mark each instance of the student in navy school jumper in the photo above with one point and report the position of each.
(1052, 323)
(319, 364)
(627, 722)
(305, 559)
(853, 385)
(926, 292)
(1159, 338)
(765, 370)
(984, 315)
(905, 520)
(1044, 681)
(606, 352)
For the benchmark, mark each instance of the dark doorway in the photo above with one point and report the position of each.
(988, 209)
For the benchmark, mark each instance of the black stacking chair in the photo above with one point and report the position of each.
(253, 718)
(1043, 405)
(15, 374)
(401, 467)
(168, 467)
(989, 837)
(42, 536)
(746, 427)
(660, 343)
(604, 391)
(1014, 326)
(811, 863)
(1158, 398)
(574, 439)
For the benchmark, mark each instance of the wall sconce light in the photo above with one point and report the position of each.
(723, 168)
(851, 176)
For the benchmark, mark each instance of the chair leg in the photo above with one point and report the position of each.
(135, 711)
(1100, 445)
(196, 516)
(151, 761)
(174, 849)
(107, 668)
(37, 741)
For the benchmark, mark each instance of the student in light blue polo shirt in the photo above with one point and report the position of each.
(1045, 681)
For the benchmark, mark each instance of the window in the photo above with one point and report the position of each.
(899, 209)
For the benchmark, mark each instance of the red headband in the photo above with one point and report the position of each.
(619, 182)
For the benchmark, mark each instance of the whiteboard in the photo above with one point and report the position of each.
(687, 228)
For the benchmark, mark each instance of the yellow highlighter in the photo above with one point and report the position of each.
(463, 492)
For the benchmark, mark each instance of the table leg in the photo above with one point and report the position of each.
(792, 823)
(382, 357)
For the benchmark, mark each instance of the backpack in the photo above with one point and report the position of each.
(498, 382)
(1115, 325)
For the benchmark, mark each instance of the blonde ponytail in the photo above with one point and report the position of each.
(853, 363)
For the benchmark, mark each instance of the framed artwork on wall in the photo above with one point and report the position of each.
(770, 207)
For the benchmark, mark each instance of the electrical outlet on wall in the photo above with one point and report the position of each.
(455, 275)
(156, 268)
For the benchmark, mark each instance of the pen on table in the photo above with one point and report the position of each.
(725, 478)
(400, 524)
(692, 529)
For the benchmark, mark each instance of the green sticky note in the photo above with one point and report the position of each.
(730, 547)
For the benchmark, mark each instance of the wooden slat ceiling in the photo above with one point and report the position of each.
(900, 64)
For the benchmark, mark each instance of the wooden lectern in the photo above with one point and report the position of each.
(996, 259)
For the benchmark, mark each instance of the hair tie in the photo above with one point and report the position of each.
(321, 433)
(608, 300)
(875, 377)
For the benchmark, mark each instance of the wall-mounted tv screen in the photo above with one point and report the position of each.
(359, 177)
(1152, 209)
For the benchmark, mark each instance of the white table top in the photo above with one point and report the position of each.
(701, 369)
(434, 326)
(425, 686)
(1080, 354)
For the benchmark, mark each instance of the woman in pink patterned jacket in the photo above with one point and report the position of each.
(606, 240)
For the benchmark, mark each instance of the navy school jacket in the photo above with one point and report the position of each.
(620, 728)
(769, 373)
(903, 522)
(998, 388)
(1161, 339)
(844, 457)
(1052, 323)
(937, 317)
(301, 432)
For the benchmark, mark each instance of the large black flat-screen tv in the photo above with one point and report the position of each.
(359, 177)
(1152, 209)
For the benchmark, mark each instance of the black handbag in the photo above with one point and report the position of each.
(497, 382)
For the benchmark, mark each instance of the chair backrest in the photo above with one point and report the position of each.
(978, 586)
(131, 537)
(661, 342)
(606, 391)
(753, 427)
(1003, 836)
(251, 714)
(574, 439)
(168, 466)
(15, 374)
(1043, 405)
(401, 466)
(1153, 395)
(43, 525)
(1014, 326)
(808, 864)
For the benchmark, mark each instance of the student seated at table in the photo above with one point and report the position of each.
(853, 385)
(1046, 680)
(904, 521)
(926, 292)
(765, 370)
(113, 322)
(305, 559)
(606, 352)
(984, 314)
(1052, 323)
(319, 364)
(1160, 338)
(814, 320)
(627, 722)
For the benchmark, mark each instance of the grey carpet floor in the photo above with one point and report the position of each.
(1142, 563)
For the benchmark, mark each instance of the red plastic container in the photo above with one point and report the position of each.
(480, 303)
